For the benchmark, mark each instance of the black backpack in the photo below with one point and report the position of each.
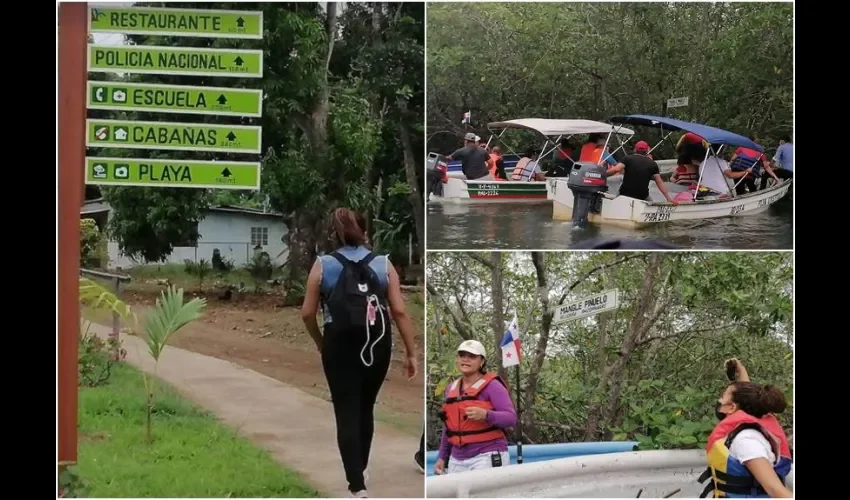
(356, 286)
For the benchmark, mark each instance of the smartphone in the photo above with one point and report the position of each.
(731, 370)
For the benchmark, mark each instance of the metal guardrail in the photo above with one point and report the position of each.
(654, 474)
(115, 280)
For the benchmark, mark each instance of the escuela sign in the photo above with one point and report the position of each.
(205, 23)
(155, 60)
(125, 96)
(170, 135)
(172, 173)
(587, 306)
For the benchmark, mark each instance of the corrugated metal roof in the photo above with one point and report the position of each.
(99, 206)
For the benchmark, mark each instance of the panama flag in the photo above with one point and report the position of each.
(467, 117)
(511, 344)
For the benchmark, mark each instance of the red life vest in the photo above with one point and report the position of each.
(731, 478)
(461, 430)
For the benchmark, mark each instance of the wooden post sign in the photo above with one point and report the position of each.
(125, 94)
(122, 95)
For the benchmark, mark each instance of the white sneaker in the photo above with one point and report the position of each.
(360, 494)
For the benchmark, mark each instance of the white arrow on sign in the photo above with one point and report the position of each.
(587, 306)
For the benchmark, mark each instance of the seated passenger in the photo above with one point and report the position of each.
(526, 168)
(594, 150)
(563, 159)
(687, 171)
(496, 164)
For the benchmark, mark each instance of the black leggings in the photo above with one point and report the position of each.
(354, 388)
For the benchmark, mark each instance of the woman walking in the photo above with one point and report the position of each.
(357, 290)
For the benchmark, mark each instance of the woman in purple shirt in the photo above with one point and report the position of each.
(491, 405)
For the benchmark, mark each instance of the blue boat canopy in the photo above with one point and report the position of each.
(711, 134)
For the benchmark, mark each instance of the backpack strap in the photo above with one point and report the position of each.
(344, 260)
(341, 258)
(368, 258)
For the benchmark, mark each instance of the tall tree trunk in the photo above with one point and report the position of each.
(642, 319)
(539, 261)
(497, 319)
(410, 169)
(301, 241)
(302, 229)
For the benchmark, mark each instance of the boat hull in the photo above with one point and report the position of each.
(628, 212)
(462, 190)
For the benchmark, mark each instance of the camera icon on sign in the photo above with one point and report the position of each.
(122, 171)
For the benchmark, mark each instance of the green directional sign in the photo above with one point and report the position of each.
(155, 60)
(176, 22)
(173, 173)
(169, 135)
(175, 99)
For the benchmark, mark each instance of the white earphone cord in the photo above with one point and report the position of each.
(378, 308)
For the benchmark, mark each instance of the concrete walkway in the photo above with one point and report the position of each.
(296, 428)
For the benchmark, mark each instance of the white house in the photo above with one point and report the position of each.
(235, 232)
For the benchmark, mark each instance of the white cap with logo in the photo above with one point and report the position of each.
(472, 347)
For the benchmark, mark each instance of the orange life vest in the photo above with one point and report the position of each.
(461, 430)
(591, 152)
(492, 162)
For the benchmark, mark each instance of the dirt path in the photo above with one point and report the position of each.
(297, 428)
(257, 333)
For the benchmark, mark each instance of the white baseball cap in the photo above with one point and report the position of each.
(472, 347)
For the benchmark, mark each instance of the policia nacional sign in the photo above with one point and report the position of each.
(153, 60)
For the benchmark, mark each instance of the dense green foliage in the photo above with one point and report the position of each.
(650, 371)
(342, 126)
(593, 60)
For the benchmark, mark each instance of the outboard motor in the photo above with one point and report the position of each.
(436, 169)
(587, 181)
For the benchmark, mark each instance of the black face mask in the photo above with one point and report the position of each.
(719, 414)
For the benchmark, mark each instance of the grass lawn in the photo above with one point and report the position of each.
(193, 454)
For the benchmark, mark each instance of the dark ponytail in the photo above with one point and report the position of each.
(758, 400)
(348, 227)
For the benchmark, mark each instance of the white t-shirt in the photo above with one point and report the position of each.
(711, 172)
(750, 444)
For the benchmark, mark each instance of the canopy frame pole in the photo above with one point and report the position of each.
(622, 144)
(662, 140)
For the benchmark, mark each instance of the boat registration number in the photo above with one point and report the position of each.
(737, 209)
(661, 214)
(769, 200)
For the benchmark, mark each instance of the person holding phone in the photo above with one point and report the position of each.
(476, 412)
(748, 453)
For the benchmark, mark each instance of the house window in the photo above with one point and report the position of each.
(259, 236)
